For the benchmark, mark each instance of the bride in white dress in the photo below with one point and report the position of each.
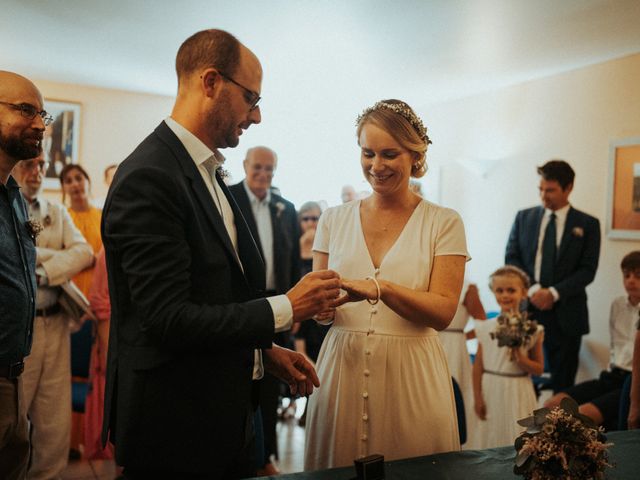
(385, 385)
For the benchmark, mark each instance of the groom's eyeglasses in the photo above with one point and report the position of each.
(251, 97)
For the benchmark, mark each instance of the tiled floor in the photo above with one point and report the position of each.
(290, 445)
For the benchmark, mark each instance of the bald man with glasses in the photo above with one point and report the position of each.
(20, 138)
(191, 323)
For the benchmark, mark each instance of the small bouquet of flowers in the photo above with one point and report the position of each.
(561, 443)
(34, 227)
(514, 329)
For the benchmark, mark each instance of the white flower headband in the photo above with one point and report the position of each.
(405, 112)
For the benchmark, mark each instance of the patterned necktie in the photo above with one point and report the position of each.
(548, 253)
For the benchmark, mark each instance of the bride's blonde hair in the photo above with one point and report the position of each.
(401, 122)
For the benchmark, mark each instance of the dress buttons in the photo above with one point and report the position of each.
(364, 438)
(367, 373)
(365, 395)
(371, 330)
(374, 310)
(365, 417)
(367, 352)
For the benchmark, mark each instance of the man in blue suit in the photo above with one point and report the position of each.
(558, 246)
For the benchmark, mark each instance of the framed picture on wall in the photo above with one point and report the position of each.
(61, 139)
(623, 210)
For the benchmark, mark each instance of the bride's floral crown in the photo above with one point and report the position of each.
(403, 110)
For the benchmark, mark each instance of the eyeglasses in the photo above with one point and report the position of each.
(252, 98)
(28, 165)
(30, 112)
(310, 219)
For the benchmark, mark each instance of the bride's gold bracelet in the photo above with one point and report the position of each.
(373, 302)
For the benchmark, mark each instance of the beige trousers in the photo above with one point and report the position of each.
(47, 394)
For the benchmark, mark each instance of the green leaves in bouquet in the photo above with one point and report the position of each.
(534, 423)
(560, 443)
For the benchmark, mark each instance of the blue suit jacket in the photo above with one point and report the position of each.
(575, 268)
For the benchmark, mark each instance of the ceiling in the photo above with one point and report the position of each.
(323, 60)
(426, 51)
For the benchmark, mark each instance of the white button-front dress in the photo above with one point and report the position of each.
(385, 385)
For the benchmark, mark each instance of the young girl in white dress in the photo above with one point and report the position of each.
(502, 387)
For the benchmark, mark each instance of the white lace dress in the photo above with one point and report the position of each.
(507, 390)
(385, 385)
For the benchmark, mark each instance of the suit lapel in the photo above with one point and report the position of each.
(278, 239)
(536, 240)
(569, 225)
(247, 249)
(244, 205)
(199, 188)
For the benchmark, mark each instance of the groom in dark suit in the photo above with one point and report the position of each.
(558, 246)
(274, 225)
(187, 284)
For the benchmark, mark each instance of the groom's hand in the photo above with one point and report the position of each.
(292, 368)
(316, 292)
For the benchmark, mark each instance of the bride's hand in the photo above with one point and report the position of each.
(358, 290)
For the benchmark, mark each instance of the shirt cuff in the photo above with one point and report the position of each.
(282, 312)
(41, 272)
(258, 366)
(554, 292)
(534, 288)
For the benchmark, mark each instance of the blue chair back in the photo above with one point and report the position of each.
(81, 343)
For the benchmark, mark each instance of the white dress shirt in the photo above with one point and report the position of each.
(623, 320)
(561, 220)
(207, 161)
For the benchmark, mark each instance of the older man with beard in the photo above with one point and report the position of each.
(22, 124)
(61, 252)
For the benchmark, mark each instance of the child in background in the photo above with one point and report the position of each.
(502, 387)
(599, 399)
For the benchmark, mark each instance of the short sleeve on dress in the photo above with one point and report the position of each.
(450, 237)
(323, 232)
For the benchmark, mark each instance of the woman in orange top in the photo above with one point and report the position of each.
(76, 186)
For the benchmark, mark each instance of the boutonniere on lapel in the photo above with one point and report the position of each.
(279, 209)
(577, 232)
(224, 173)
(34, 228)
(47, 221)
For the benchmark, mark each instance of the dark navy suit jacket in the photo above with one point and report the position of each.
(186, 316)
(576, 264)
(286, 235)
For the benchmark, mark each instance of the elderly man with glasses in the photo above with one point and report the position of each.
(21, 130)
(61, 252)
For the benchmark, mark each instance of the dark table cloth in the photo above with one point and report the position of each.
(493, 464)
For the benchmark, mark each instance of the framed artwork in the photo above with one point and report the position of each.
(61, 139)
(623, 209)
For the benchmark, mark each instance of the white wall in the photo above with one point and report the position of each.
(113, 123)
(489, 146)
